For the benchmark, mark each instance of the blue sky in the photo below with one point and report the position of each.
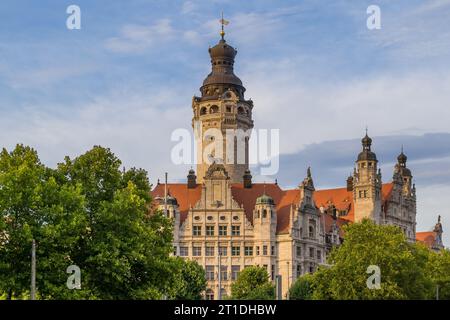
(312, 68)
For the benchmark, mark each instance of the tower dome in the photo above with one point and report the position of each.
(366, 154)
(171, 200)
(265, 199)
(405, 172)
(402, 158)
(222, 77)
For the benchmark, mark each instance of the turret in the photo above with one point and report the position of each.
(405, 174)
(367, 184)
(222, 118)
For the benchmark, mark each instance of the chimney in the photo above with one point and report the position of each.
(191, 179)
(247, 179)
(350, 183)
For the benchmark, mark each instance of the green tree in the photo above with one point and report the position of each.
(402, 266)
(439, 270)
(87, 213)
(301, 289)
(189, 280)
(34, 206)
(253, 284)
(125, 254)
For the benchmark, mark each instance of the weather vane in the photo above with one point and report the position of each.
(223, 22)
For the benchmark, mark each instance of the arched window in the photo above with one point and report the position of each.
(257, 213)
(241, 110)
(264, 215)
(202, 111)
(209, 294)
(214, 109)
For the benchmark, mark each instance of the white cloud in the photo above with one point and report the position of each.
(430, 204)
(136, 125)
(414, 32)
(138, 38)
(188, 7)
(307, 112)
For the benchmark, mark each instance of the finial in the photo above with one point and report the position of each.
(276, 181)
(309, 172)
(264, 185)
(223, 22)
(367, 129)
(402, 147)
(158, 181)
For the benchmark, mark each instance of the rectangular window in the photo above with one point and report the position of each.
(311, 253)
(264, 250)
(223, 251)
(209, 251)
(272, 250)
(235, 251)
(257, 250)
(235, 272)
(224, 272)
(175, 251)
(222, 230)
(319, 255)
(209, 230)
(209, 273)
(235, 230)
(272, 272)
(196, 251)
(298, 251)
(299, 270)
(197, 230)
(184, 251)
(248, 251)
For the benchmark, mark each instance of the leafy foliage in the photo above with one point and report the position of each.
(301, 289)
(253, 284)
(402, 266)
(190, 280)
(34, 206)
(439, 271)
(88, 213)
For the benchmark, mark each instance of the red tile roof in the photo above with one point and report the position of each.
(186, 197)
(284, 200)
(428, 238)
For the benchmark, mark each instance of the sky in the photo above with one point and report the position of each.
(313, 69)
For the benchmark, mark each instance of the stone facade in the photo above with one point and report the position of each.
(225, 222)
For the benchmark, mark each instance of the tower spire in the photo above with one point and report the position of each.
(223, 22)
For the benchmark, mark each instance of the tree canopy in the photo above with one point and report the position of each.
(253, 284)
(403, 266)
(89, 213)
(301, 288)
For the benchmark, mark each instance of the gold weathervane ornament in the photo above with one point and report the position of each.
(223, 22)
